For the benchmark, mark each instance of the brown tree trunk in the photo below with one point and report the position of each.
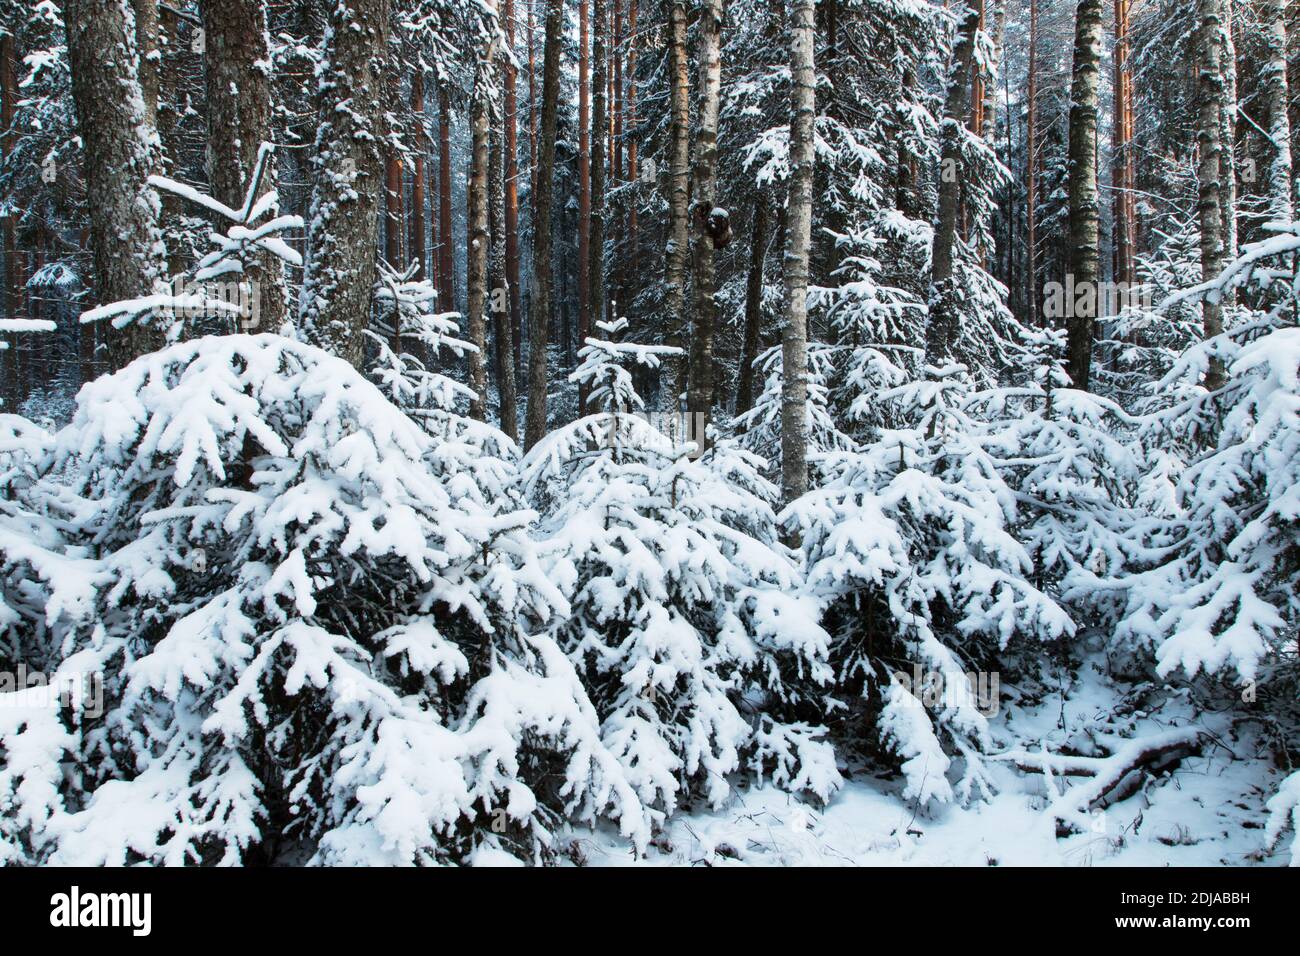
(794, 345)
(343, 227)
(237, 48)
(119, 156)
(1123, 174)
(539, 319)
(706, 228)
(393, 209)
(1084, 206)
(753, 309)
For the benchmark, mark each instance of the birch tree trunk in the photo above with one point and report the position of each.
(707, 229)
(1209, 205)
(794, 344)
(1081, 186)
(120, 152)
(678, 200)
(540, 312)
(480, 238)
(1273, 86)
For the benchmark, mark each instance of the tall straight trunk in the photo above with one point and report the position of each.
(416, 243)
(343, 226)
(1123, 176)
(393, 208)
(794, 344)
(585, 123)
(753, 309)
(168, 108)
(480, 238)
(632, 167)
(678, 199)
(8, 227)
(991, 87)
(942, 327)
(237, 48)
(446, 274)
(616, 141)
(1209, 205)
(532, 108)
(120, 152)
(592, 294)
(978, 76)
(540, 313)
(1228, 132)
(1031, 170)
(500, 301)
(510, 83)
(1275, 93)
(1081, 186)
(706, 228)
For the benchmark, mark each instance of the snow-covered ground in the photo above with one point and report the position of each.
(1208, 811)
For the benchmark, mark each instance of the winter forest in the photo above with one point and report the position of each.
(657, 432)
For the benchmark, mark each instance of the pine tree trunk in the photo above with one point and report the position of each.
(1124, 208)
(1209, 205)
(1084, 206)
(418, 249)
(237, 47)
(633, 170)
(393, 209)
(501, 290)
(539, 319)
(942, 327)
(119, 155)
(794, 345)
(446, 269)
(753, 309)
(1274, 90)
(678, 200)
(476, 278)
(592, 294)
(707, 229)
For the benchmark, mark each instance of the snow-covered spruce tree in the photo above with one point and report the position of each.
(314, 646)
(909, 552)
(1220, 592)
(686, 622)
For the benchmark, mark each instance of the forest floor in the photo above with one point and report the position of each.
(1208, 810)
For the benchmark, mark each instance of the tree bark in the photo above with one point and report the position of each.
(1209, 205)
(941, 329)
(706, 228)
(237, 49)
(416, 243)
(753, 309)
(1031, 170)
(343, 225)
(1123, 174)
(512, 188)
(539, 319)
(1228, 133)
(446, 269)
(592, 294)
(476, 279)
(587, 118)
(120, 152)
(1084, 206)
(1274, 89)
(8, 226)
(794, 345)
(678, 200)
